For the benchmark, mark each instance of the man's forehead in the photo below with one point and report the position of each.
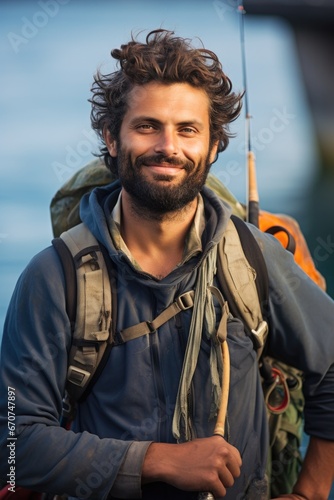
(142, 92)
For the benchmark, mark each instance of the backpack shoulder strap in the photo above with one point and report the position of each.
(241, 271)
(243, 276)
(70, 276)
(88, 303)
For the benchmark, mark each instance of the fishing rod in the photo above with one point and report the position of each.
(252, 216)
(220, 424)
(252, 206)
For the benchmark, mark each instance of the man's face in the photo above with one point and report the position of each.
(163, 152)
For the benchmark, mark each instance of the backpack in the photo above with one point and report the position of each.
(64, 210)
(84, 260)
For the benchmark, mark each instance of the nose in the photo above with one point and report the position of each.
(167, 143)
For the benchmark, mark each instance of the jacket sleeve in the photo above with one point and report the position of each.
(302, 333)
(35, 347)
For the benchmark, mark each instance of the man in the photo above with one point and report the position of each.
(162, 118)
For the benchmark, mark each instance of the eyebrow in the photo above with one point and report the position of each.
(152, 120)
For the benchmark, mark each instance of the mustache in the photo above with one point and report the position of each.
(162, 159)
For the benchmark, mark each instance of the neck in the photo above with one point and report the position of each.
(156, 243)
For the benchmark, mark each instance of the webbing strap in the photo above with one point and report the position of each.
(240, 276)
(70, 276)
(291, 244)
(93, 319)
(238, 281)
(182, 303)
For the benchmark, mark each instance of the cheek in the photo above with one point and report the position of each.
(197, 152)
(136, 146)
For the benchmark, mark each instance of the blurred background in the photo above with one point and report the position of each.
(50, 50)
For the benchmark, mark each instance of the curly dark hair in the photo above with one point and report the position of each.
(167, 59)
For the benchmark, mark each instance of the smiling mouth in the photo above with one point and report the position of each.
(164, 168)
(162, 165)
(153, 163)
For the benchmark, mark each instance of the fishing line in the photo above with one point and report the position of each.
(242, 13)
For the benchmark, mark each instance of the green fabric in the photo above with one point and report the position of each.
(203, 316)
(64, 206)
(285, 460)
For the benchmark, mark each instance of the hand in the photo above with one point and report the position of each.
(207, 464)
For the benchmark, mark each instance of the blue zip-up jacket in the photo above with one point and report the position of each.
(132, 402)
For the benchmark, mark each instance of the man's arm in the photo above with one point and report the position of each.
(317, 474)
(33, 367)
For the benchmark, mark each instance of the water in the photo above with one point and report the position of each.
(49, 57)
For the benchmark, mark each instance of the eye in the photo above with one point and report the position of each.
(188, 130)
(145, 127)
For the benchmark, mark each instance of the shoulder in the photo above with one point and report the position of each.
(37, 311)
(273, 252)
(44, 266)
(286, 277)
(42, 281)
(292, 293)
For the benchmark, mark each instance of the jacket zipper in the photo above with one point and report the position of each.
(155, 359)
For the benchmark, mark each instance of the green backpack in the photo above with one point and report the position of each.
(89, 289)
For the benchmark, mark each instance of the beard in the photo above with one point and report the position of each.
(155, 200)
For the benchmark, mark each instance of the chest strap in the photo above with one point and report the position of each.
(182, 303)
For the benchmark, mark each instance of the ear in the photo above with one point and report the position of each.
(110, 143)
(213, 152)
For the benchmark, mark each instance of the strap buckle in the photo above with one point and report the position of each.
(259, 334)
(150, 326)
(77, 376)
(185, 300)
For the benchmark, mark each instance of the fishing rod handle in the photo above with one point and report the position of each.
(253, 194)
(205, 495)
